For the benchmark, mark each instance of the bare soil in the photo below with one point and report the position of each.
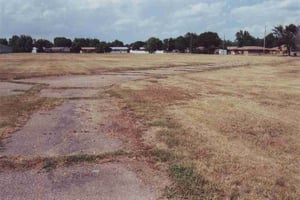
(7, 88)
(89, 181)
(72, 128)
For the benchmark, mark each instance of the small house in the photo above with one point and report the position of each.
(88, 50)
(119, 50)
(57, 50)
(247, 50)
(5, 49)
(34, 50)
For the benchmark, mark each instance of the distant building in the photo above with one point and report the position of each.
(88, 50)
(5, 49)
(57, 50)
(221, 51)
(34, 50)
(119, 50)
(138, 52)
(247, 50)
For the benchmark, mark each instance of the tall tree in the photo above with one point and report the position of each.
(40, 44)
(153, 44)
(286, 36)
(103, 47)
(298, 39)
(169, 44)
(243, 38)
(181, 44)
(3, 41)
(271, 41)
(21, 43)
(210, 40)
(117, 43)
(94, 42)
(137, 45)
(78, 43)
(62, 42)
(192, 40)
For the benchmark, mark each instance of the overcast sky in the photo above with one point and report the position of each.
(132, 20)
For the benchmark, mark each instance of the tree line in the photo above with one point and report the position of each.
(205, 42)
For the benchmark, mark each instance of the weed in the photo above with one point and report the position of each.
(172, 142)
(188, 184)
(80, 158)
(162, 155)
(49, 165)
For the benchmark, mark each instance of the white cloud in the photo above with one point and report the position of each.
(132, 20)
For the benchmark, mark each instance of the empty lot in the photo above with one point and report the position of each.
(179, 126)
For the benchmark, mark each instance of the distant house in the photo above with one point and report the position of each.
(57, 50)
(138, 52)
(221, 51)
(5, 49)
(88, 50)
(119, 50)
(247, 50)
(34, 50)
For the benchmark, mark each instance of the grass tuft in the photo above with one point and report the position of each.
(188, 184)
(161, 155)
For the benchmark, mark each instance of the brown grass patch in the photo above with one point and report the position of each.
(236, 126)
(156, 94)
(15, 110)
(16, 66)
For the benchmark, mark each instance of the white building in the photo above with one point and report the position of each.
(5, 49)
(119, 50)
(139, 52)
(34, 50)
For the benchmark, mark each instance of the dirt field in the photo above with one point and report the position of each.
(149, 127)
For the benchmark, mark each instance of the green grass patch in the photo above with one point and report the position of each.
(80, 158)
(49, 165)
(161, 155)
(188, 184)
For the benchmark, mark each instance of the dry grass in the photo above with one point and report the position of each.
(15, 66)
(15, 110)
(228, 134)
(238, 128)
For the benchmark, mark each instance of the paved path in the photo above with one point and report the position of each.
(81, 125)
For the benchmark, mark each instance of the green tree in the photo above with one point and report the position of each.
(181, 44)
(62, 42)
(137, 45)
(243, 38)
(153, 44)
(228, 43)
(169, 44)
(78, 43)
(117, 43)
(271, 41)
(41, 44)
(3, 41)
(210, 40)
(192, 41)
(94, 42)
(103, 48)
(286, 36)
(21, 43)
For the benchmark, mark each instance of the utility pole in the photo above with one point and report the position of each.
(191, 44)
(265, 38)
(224, 43)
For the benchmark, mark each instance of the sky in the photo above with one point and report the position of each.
(133, 20)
